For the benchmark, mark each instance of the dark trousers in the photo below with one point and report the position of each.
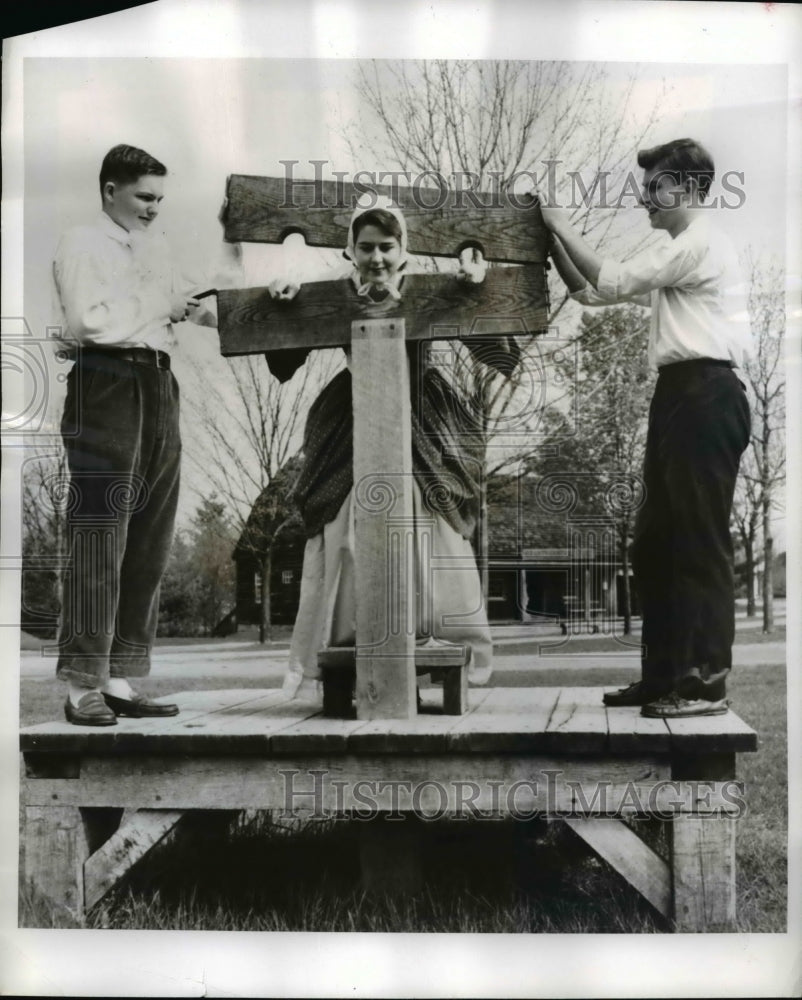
(120, 431)
(682, 551)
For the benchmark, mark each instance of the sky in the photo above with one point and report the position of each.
(215, 86)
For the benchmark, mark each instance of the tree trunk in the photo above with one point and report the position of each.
(768, 571)
(265, 616)
(749, 553)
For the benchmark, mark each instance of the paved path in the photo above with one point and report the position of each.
(240, 659)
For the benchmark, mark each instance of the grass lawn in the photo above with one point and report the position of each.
(255, 871)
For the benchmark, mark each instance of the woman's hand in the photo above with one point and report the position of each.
(472, 266)
(283, 289)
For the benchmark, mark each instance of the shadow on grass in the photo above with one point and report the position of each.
(257, 875)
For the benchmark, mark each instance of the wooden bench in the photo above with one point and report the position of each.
(96, 800)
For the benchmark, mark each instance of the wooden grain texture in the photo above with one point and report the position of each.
(506, 722)
(455, 690)
(511, 300)
(703, 866)
(426, 733)
(55, 851)
(712, 734)
(624, 851)
(317, 734)
(494, 783)
(266, 210)
(384, 532)
(225, 722)
(133, 735)
(578, 722)
(140, 832)
(629, 731)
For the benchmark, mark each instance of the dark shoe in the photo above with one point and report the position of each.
(633, 694)
(672, 706)
(91, 710)
(139, 706)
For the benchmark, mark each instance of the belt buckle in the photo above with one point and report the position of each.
(162, 359)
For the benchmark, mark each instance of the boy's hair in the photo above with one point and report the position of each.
(126, 164)
(683, 159)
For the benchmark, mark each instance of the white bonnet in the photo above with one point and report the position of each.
(367, 203)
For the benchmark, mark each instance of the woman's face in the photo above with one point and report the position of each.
(377, 255)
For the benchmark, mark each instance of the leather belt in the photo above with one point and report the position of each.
(693, 362)
(136, 355)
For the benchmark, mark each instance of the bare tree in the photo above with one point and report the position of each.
(746, 519)
(502, 126)
(247, 426)
(765, 472)
(498, 125)
(611, 396)
(45, 497)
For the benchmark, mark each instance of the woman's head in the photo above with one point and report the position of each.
(377, 244)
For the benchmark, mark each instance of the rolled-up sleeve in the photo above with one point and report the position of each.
(96, 310)
(665, 266)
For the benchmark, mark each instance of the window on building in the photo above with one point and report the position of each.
(286, 576)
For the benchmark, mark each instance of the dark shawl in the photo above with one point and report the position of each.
(447, 447)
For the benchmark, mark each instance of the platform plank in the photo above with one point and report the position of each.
(526, 720)
(229, 724)
(630, 732)
(506, 722)
(712, 734)
(578, 723)
(316, 734)
(427, 733)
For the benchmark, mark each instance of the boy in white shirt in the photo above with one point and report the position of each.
(118, 292)
(699, 426)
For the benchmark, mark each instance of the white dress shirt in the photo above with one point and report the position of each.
(114, 287)
(696, 291)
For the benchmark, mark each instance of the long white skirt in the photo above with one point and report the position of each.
(450, 591)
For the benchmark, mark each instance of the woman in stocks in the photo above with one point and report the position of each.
(443, 457)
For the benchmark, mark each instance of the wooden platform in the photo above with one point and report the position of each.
(96, 800)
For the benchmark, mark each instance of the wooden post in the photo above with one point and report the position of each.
(384, 542)
(703, 867)
(56, 847)
(624, 851)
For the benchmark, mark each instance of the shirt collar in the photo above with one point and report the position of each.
(112, 229)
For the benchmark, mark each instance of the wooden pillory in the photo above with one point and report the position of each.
(511, 300)
(96, 801)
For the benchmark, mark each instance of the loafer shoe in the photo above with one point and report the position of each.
(91, 710)
(672, 706)
(632, 694)
(139, 706)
